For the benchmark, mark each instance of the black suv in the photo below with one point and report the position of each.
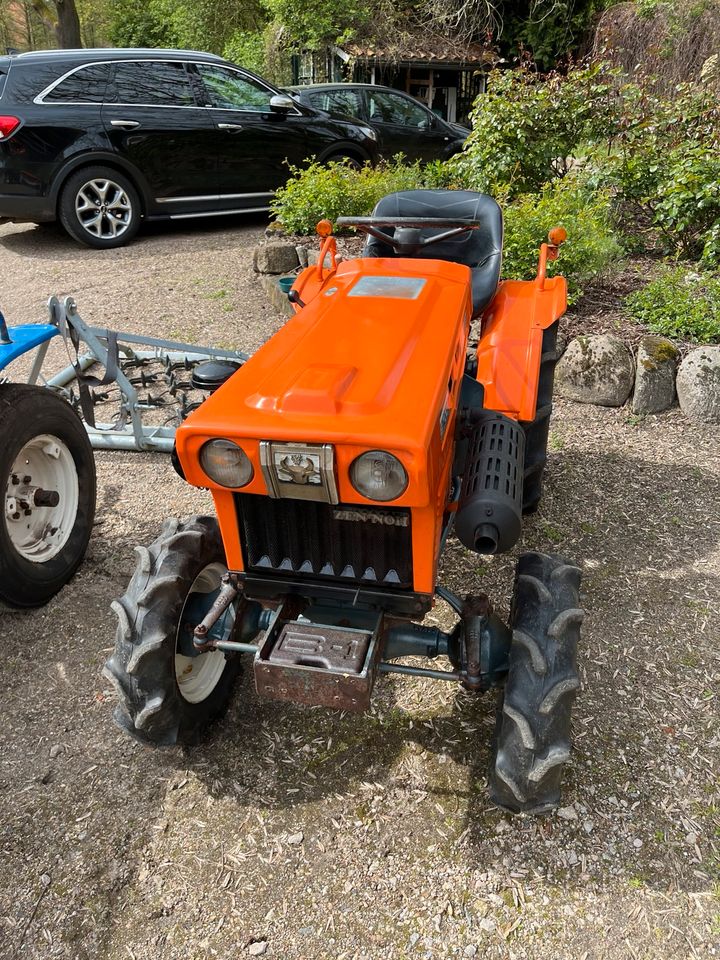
(100, 139)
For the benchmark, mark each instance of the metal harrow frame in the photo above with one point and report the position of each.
(117, 353)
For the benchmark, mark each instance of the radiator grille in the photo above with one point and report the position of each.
(344, 543)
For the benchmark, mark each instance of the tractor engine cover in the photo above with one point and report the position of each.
(489, 514)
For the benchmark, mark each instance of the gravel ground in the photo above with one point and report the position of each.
(301, 833)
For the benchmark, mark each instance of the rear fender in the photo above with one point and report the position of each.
(510, 346)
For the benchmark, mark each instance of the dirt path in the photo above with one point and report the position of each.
(306, 834)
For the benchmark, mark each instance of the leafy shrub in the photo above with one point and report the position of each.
(527, 129)
(665, 166)
(335, 190)
(591, 246)
(679, 304)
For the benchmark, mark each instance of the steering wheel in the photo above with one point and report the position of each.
(407, 239)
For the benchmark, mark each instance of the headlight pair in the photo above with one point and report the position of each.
(377, 475)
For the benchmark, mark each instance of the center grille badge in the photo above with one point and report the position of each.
(301, 471)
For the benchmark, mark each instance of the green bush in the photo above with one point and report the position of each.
(591, 245)
(665, 167)
(679, 304)
(528, 129)
(335, 190)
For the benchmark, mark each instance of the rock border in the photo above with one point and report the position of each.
(603, 370)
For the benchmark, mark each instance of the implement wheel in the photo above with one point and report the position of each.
(165, 695)
(47, 481)
(533, 727)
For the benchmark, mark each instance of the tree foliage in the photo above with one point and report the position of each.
(528, 129)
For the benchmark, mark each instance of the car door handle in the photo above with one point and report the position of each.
(232, 127)
(125, 124)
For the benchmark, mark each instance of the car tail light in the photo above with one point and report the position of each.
(8, 125)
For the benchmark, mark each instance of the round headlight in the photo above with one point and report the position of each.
(378, 475)
(226, 463)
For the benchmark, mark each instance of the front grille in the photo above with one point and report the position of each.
(343, 543)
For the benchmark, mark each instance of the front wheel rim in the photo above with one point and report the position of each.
(197, 677)
(103, 209)
(37, 529)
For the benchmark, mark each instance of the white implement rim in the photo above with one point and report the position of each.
(198, 676)
(38, 533)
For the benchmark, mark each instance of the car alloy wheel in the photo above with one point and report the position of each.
(103, 208)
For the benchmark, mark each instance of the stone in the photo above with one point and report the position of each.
(313, 256)
(567, 813)
(275, 258)
(698, 385)
(302, 253)
(278, 298)
(596, 369)
(657, 360)
(258, 948)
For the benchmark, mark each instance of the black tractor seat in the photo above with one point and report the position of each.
(481, 249)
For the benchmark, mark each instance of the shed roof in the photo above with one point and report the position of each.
(409, 48)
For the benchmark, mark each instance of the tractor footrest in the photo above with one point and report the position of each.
(317, 664)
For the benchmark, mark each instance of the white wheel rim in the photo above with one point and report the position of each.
(103, 208)
(197, 677)
(38, 533)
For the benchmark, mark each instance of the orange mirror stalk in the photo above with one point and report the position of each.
(549, 251)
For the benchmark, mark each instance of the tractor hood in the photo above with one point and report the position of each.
(367, 363)
(369, 358)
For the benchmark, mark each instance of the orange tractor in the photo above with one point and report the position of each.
(340, 457)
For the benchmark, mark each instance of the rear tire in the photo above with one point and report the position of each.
(100, 207)
(165, 697)
(43, 444)
(533, 726)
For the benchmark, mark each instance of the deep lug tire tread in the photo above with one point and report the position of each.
(142, 666)
(533, 725)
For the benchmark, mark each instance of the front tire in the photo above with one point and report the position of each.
(166, 697)
(45, 456)
(100, 207)
(533, 726)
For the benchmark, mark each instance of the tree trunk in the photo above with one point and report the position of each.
(68, 24)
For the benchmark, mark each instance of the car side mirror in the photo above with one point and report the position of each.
(281, 103)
